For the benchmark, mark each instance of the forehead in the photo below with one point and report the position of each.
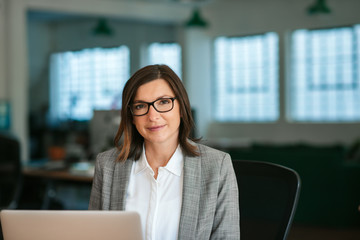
(154, 89)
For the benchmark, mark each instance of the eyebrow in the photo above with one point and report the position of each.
(142, 101)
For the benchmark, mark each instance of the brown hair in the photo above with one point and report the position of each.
(128, 140)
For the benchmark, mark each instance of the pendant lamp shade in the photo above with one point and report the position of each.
(318, 7)
(196, 20)
(102, 28)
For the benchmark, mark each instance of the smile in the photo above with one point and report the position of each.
(156, 128)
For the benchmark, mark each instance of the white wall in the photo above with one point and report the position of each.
(16, 70)
(3, 82)
(197, 75)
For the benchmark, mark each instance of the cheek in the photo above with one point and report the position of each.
(177, 118)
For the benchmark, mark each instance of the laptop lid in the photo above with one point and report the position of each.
(70, 225)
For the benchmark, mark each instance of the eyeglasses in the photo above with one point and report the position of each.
(161, 105)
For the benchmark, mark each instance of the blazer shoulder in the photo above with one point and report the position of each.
(108, 157)
(213, 158)
(206, 152)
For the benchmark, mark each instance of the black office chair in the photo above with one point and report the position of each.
(268, 196)
(10, 173)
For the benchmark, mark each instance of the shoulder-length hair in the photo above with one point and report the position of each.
(128, 140)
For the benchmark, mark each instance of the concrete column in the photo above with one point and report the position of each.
(198, 75)
(3, 78)
(17, 72)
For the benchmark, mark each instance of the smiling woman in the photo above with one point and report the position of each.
(181, 189)
(140, 88)
(159, 129)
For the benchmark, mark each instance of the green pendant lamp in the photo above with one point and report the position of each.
(102, 28)
(319, 7)
(196, 20)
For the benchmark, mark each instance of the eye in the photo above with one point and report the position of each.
(164, 101)
(139, 106)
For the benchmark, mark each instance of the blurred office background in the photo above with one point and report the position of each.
(270, 80)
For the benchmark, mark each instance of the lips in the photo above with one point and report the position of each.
(156, 128)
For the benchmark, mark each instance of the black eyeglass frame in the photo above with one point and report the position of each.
(152, 104)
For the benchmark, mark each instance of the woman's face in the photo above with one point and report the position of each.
(155, 127)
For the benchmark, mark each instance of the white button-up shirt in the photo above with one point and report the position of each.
(158, 201)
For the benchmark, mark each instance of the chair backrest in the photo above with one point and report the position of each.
(268, 196)
(10, 171)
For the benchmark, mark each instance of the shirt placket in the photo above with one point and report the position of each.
(153, 208)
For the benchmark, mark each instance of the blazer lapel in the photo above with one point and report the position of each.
(120, 180)
(190, 199)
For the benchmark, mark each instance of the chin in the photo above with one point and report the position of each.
(156, 139)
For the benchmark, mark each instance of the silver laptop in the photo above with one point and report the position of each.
(70, 225)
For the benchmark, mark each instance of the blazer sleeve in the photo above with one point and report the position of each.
(96, 190)
(226, 223)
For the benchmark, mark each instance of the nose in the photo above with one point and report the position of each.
(153, 114)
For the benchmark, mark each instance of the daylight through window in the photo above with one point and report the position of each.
(166, 53)
(246, 78)
(87, 80)
(325, 75)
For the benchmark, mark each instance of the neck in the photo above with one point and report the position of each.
(158, 155)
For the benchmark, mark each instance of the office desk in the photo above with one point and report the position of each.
(57, 174)
(65, 185)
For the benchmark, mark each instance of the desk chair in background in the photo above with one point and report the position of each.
(10, 173)
(268, 196)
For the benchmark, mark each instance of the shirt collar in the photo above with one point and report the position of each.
(175, 164)
(142, 163)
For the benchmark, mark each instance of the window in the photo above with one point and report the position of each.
(166, 53)
(86, 80)
(325, 75)
(246, 78)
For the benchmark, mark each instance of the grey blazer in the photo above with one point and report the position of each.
(210, 207)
